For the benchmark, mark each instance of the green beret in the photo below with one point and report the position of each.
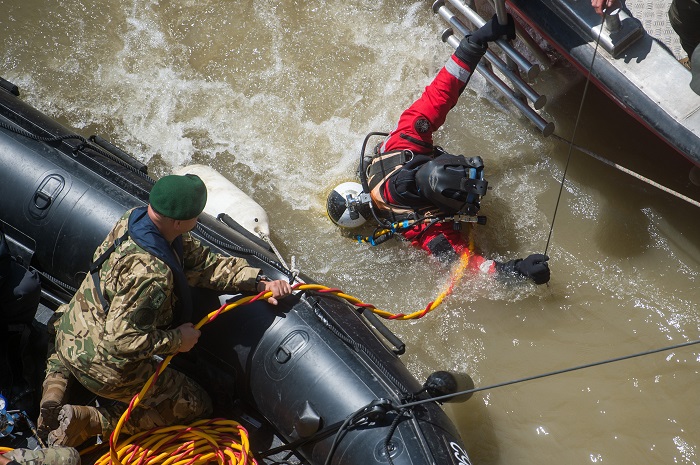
(179, 197)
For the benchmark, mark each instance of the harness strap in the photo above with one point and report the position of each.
(97, 265)
(382, 167)
(385, 164)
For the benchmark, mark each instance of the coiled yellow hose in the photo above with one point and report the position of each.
(205, 441)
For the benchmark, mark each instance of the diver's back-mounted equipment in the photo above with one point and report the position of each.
(454, 184)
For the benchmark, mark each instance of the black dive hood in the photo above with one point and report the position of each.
(290, 373)
(453, 183)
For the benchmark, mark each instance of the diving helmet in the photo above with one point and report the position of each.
(453, 183)
(347, 206)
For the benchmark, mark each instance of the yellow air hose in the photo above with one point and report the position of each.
(219, 440)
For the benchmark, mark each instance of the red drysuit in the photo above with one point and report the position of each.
(415, 134)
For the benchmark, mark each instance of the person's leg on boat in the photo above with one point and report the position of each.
(175, 399)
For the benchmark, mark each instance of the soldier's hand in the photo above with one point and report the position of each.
(605, 6)
(190, 336)
(279, 288)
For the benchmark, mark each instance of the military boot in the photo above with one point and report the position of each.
(53, 395)
(76, 424)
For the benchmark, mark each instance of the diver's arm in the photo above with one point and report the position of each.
(447, 244)
(429, 112)
(416, 125)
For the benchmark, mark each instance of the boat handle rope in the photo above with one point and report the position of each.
(84, 143)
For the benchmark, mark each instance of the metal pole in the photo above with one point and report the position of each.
(545, 127)
(501, 13)
(530, 70)
(538, 101)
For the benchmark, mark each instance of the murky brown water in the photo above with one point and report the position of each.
(279, 96)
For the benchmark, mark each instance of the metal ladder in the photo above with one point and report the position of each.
(512, 66)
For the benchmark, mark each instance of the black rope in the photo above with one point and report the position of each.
(573, 136)
(551, 373)
(339, 435)
(66, 287)
(23, 132)
(390, 434)
(233, 247)
(294, 445)
(373, 412)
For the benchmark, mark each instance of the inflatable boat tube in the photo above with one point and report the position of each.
(292, 374)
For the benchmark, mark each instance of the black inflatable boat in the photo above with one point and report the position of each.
(293, 375)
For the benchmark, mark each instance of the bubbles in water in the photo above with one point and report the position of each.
(687, 451)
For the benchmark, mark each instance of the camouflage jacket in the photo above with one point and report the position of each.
(118, 346)
(47, 456)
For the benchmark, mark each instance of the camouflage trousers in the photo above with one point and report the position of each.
(48, 456)
(175, 399)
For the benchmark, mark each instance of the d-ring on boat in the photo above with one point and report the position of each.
(296, 375)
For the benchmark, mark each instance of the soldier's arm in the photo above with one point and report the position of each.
(140, 304)
(214, 271)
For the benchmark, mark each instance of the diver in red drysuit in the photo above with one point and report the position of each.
(409, 161)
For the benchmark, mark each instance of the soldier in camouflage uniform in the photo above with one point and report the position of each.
(47, 456)
(135, 305)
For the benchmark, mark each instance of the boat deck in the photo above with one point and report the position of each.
(634, 59)
(653, 15)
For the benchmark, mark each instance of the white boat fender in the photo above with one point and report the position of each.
(224, 197)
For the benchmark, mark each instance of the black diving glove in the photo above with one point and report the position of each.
(470, 52)
(493, 30)
(472, 47)
(534, 267)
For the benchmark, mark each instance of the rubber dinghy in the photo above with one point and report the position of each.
(291, 375)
